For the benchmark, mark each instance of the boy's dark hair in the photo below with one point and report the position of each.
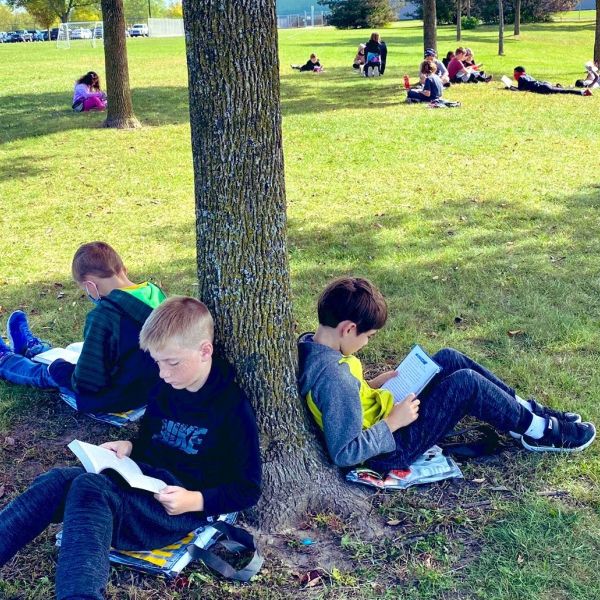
(96, 258)
(352, 299)
(519, 69)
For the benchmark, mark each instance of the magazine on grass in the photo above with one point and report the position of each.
(70, 354)
(429, 467)
(414, 373)
(119, 419)
(96, 459)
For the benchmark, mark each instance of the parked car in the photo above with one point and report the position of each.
(3, 36)
(14, 37)
(139, 30)
(80, 34)
(27, 37)
(98, 32)
(54, 33)
(36, 35)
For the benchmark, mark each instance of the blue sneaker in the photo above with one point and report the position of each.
(4, 349)
(21, 338)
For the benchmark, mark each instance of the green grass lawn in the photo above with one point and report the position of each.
(474, 221)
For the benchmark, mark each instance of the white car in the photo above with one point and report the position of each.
(80, 34)
(139, 30)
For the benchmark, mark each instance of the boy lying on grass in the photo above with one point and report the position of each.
(361, 423)
(198, 435)
(112, 374)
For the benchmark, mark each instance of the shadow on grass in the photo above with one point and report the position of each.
(28, 115)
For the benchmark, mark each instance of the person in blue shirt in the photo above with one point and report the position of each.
(432, 87)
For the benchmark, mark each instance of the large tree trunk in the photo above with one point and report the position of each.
(120, 108)
(429, 24)
(241, 243)
(469, 8)
(458, 20)
(597, 39)
(517, 30)
(500, 28)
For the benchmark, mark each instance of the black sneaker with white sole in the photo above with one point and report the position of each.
(562, 436)
(545, 411)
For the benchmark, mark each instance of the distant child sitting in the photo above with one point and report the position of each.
(361, 423)
(198, 435)
(359, 59)
(112, 373)
(432, 85)
(449, 57)
(88, 95)
(526, 83)
(441, 70)
(312, 64)
(459, 72)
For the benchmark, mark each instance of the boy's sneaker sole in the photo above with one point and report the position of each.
(556, 442)
(545, 411)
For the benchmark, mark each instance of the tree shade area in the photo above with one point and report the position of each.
(479, 224)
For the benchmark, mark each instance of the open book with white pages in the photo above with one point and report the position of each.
(414, 373)
(70, 354)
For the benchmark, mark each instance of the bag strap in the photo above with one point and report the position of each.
(487, 442)
(237, 540)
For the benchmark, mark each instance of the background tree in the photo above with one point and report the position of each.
(243, 271)
(359, 13)
(120, 108)
(597, 38)
(43, 13)
(500, 28)
(61, 8)
(429, 24)
(517, 18)
(458, 20)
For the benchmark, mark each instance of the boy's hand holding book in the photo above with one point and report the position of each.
(403, 413)
(382, 378)
(177, 500)
(121, 448)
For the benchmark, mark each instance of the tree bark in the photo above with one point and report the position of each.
(243, 267)
(597, 38)
(429, 24)
(500, 28)
(458, 20)
(517, 29)
(469, 8)
(120, 107)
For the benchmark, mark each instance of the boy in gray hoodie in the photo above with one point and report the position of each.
(362, 424)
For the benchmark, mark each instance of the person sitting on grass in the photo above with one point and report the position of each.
(361, 423)
(461, 73)
(359, 59)
(432, 86)
(112, 373)
(441, 70)
(449, 57)
(592, 77)
(526, 83)
(198, 435)
(87, 94)
(312, 64)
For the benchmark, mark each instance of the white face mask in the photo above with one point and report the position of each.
(91, 289)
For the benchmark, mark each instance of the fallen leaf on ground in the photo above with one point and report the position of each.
(514, 332)
(394, 522)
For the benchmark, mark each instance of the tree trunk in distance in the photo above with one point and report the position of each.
(517, 30)
(429, 24)
(468, 8)
(597, 38)
(500, 28)
(243, 270)
(458, 20)
(120, 108)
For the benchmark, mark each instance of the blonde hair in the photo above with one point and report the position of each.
(179, 320)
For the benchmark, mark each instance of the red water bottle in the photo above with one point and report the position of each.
(406, 82)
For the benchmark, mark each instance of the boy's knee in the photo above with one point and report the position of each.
(446, 356)
(61, 475)
(90, 485)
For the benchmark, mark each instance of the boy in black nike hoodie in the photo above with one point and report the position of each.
(112, 373)
(199, 435)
